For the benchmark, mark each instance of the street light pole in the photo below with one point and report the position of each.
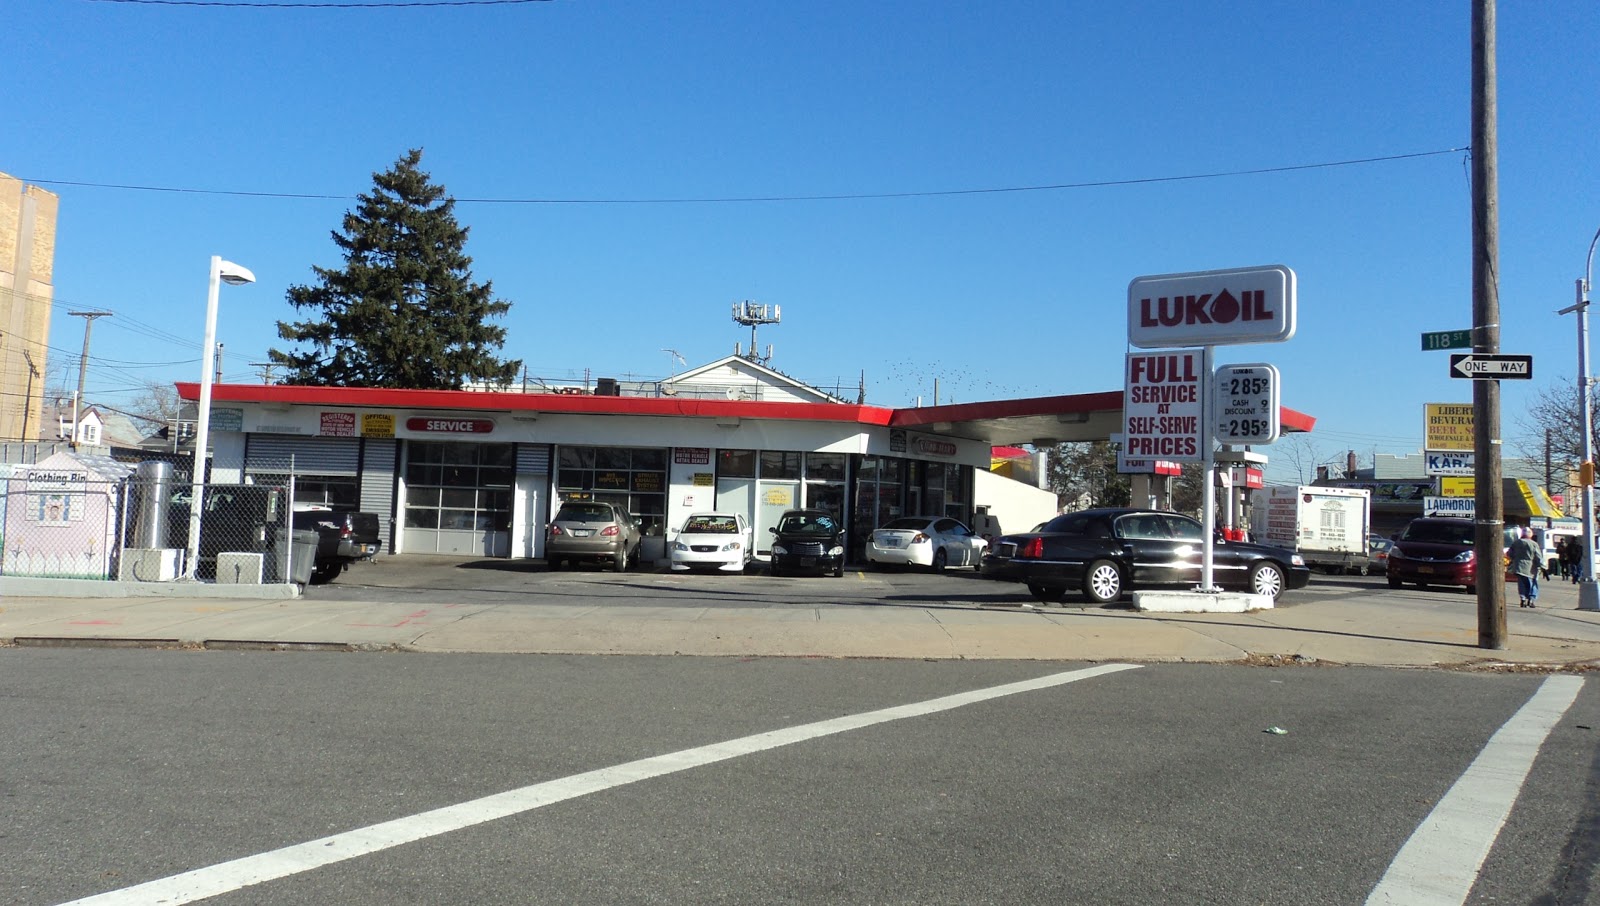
(233, 275)
(1588, 592)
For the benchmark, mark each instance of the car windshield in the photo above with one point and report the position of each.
(806, 525)
(712, 525)
(584, 512)
(1440, 532)
(908, 524)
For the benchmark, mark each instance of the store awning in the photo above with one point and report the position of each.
(1523, 499)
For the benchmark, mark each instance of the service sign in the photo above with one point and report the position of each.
(430, 425)
(1161, 405)
(1212, 308)
(1246, 404)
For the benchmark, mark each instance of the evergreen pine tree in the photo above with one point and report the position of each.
(403, 312)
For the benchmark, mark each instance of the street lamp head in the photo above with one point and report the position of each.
(234, 274)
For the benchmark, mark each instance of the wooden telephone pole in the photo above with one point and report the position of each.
(1489, 502)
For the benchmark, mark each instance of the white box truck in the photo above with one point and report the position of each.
(1326, 526)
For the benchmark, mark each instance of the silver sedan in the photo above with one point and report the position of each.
(931, 541)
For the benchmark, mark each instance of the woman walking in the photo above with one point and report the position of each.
(1525, 564)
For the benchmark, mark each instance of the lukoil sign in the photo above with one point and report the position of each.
(1212, 308)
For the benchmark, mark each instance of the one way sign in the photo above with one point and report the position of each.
(1482, 366)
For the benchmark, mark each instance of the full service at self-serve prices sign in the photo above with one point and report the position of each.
(1161, 407)
(1165, 393)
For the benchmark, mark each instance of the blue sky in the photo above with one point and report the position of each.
(583, 119)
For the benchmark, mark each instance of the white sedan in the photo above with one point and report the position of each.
(713, 541)
(926, 541)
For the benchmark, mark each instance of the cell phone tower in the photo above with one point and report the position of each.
(754, 314)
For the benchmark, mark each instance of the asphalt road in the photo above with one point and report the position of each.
(1151, 784)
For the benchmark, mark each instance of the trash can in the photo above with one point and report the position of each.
(301, 557)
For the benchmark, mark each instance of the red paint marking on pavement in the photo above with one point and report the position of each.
(407, 619)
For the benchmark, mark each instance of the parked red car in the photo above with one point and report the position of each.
(1435, 550)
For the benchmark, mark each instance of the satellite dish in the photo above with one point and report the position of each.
(669, 390)
(732, 393)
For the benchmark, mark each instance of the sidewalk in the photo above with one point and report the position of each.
(1375, 627)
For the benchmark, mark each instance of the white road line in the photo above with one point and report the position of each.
(1440, 863)
(239, 873)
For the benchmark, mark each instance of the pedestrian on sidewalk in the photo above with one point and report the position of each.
(1561, 557)
(1573, 559)
(1525, 556)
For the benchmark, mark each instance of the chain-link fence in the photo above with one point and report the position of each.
(146, 529)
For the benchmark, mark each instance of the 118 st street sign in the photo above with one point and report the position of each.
(1447, 339)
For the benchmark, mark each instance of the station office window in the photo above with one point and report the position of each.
(736, 463)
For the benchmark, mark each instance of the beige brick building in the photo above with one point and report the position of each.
(27, 285)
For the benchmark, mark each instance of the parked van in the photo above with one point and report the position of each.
(1546, 538)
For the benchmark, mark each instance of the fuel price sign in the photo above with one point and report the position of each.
(1245, 401)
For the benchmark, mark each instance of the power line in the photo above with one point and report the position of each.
(396, 4)
(749, 199)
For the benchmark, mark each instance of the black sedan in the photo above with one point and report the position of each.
(1105, 552)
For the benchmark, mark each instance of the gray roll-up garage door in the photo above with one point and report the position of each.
(377, 485)
(274, 453)
(533, 459)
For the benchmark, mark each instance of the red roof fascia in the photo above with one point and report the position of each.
(587, 404)
(1299, 421)
(577, 403)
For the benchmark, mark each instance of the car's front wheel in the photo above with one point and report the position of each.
(1266, 579)
(1102, 582)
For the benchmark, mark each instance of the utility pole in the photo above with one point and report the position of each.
(216, 371)
(83, 365)
(266, 370)
(1489, 502)
(27, 404)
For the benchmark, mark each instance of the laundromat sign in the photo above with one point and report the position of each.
(426, 425)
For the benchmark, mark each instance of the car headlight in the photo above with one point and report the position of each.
(732, 546)
(836, 551)
(1296, 560)
(1463, 557)
(780, 550)
(679, 546)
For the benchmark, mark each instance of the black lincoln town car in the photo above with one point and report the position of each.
(1103, 553)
